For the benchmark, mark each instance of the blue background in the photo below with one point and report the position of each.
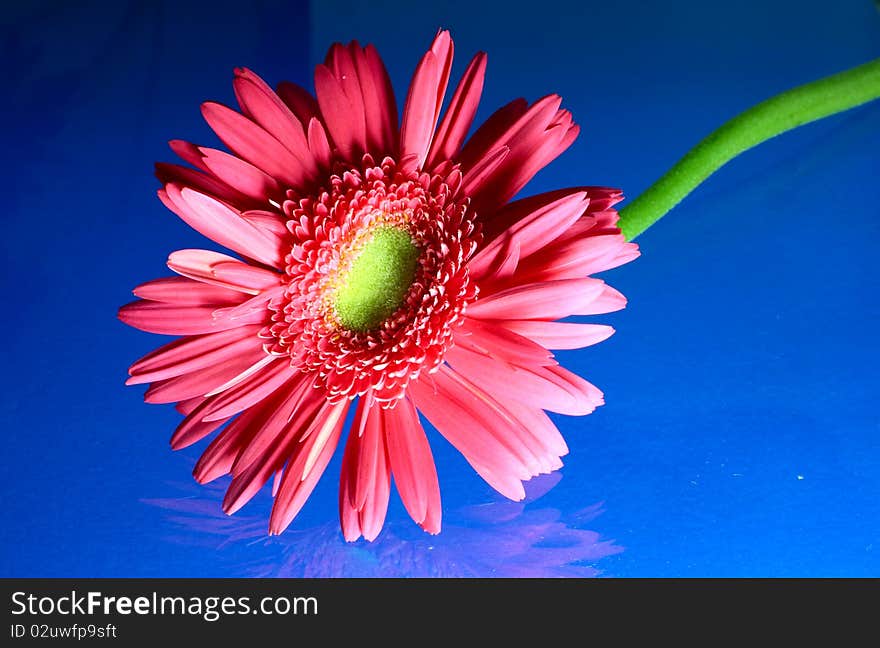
(741, 435)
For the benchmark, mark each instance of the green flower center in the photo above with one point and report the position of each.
(378, 279)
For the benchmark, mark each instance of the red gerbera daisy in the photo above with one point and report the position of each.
(381, 265)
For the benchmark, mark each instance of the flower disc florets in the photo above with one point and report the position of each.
(333, 319)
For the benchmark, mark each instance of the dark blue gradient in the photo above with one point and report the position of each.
(741, 435)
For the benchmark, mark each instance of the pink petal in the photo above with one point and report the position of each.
(371, 450)
(253, 308)
(545, 434)
(188, 152)
(412, 465)
(534, 138)
(218, 457)
(366, 478)
(531, 151)
(349, 516)
(298, 409)
(499, 222)
(222, 224)
(272, 222)
(301, 103)
(251, 391)
(202, 381)
(202, 182)
(352, 466)
(254, 144)
(579, 388)
(443, 49)
(244, 486)
(193, 353)
(538, 458)
(186, 407)
(186, 292)
(249, 479)
(260, 103)
(608, 301)
(575, 258)
(171, 319)
(425, 98)
(240, 175)
(222, 270)
(276, 481)
(500, 263)
(490, 339)
(478, 175)
(193, 429)
(304, 470)
(319, 144)
(534, 230)
(560, 335)
(460, 114)
(379, 102)
(258, 367)
(546, 300)
(418, 122)
(540, 387)
(477, 426)
(342, 109)
(488, 135)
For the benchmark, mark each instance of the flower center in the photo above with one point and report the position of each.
(376, 283)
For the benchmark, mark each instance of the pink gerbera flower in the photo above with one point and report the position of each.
(379, 267)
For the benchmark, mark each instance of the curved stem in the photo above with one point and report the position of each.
(769, 118)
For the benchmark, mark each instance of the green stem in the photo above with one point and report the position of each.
(769, 118)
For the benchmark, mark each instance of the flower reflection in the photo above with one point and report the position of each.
(495, 539)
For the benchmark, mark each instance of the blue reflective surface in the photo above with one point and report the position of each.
(741, 435)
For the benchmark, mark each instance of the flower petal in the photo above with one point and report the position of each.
(319, 144)
(541, 387)
(477, 426)
(205, 183)
(193, 353)
(193, 429)
(222, 224)
(365, 481)
(241, 176)
(171, 319)
(248, 393)
(425, 99)
(534, 138)
(546, 300)
(299, 408)
(560, 335)
(304, 470)
(204, 380)
(301, 103)
(261, 104)
(460, 114)
(534, 230)
(249, 478)
(481, 173)
(254, 144)
(489, 135)
(379, 102)
(342, 103)
(222, 270)
(577, 257)
(272, 222)
(186, 292)
(490, 339)
(412, 465)
(218, 457)
(363, 80)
